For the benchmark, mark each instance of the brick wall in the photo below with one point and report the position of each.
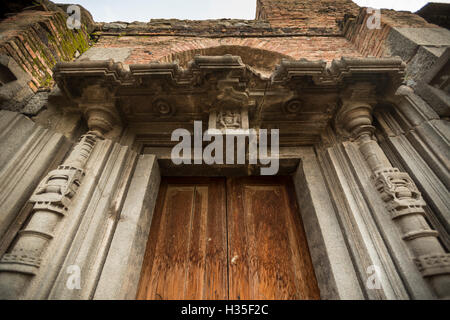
(372, 42)
(318, 16)
(146, 49)
(36, 40)
(292, 29)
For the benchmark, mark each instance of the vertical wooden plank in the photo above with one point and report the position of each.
(216, 273)
(169, 266)
(272, 264)
(238, 262)
(168, 270)
(195, 270)
(145, 280)
(306, 278)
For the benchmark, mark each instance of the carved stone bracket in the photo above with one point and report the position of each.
(98, 105)
(230, 109)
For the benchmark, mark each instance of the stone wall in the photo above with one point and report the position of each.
(401, 33)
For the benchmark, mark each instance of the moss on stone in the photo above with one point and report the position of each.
(66, 43)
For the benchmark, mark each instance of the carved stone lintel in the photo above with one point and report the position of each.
(164, 108)
(293, 106)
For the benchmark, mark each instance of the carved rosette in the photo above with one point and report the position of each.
(164, 108)
(293, 107)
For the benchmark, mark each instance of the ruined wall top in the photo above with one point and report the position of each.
(322, 16)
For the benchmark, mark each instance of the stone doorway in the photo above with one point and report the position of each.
(227, 238)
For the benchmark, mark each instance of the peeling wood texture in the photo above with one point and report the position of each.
(236, 238)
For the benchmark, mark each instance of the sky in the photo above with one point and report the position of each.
(144, 10)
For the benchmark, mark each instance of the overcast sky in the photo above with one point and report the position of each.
(144, 10)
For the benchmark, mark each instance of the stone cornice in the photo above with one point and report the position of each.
(70, 76)
(343, 70)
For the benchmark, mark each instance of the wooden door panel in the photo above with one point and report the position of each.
(268, 254)
(186, 251)
(235, 238)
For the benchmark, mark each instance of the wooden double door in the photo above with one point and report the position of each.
(227, 238)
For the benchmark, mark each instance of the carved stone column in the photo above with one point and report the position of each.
(398, 191)
(52, 200)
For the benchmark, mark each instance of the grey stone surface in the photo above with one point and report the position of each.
(405, 42)
(422, 61)
(426, 36)
(97, 53)
(121, 272)
(433, 86)
(114, 26)
(27, 152)
(15, 94)
(36, 103)
(89, 248)
(397, 269)
(55, 255)
(417, 139)
(14, 130)
(333, 265)
(371, 171)
(359, 229)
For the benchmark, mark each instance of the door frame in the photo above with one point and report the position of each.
(332, 263)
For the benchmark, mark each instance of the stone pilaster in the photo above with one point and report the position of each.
(52, 200)
(398, 191)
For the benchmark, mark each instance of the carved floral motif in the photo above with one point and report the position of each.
(399, 191)
(433, 264)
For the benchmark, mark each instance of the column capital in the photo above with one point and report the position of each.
(354, 117)
(98, 106)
